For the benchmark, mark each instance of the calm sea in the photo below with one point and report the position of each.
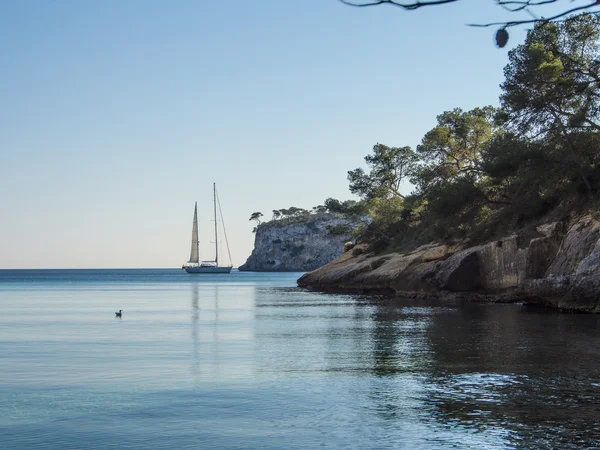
(249, 361)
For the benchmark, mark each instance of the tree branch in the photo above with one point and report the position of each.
(544, 19)
(414, 5)
(509, 5)
(522, 5)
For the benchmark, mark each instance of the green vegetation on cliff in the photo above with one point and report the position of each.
(350, 209)
(490, 170)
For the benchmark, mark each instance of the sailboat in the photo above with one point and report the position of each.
(194, 265)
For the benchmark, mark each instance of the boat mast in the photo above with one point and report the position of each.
(215, 211)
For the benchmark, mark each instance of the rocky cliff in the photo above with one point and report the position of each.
(281, 246)
(557, 265)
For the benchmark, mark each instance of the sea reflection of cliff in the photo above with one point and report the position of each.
(524, 376)
(522, 372)
(468, 375)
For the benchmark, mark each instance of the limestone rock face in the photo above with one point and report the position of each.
(577, 248)
(298, 247)
(460, 272)
(557, 265)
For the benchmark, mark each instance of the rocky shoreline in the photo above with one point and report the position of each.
(557, 265)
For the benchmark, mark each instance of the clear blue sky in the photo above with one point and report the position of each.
(117, 115)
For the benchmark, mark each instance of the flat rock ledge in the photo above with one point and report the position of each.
(557, 266)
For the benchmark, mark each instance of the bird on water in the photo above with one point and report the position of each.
(119, 314)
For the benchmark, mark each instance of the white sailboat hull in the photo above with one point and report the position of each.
(207, 269)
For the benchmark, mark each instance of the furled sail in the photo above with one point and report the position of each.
(194, 253)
